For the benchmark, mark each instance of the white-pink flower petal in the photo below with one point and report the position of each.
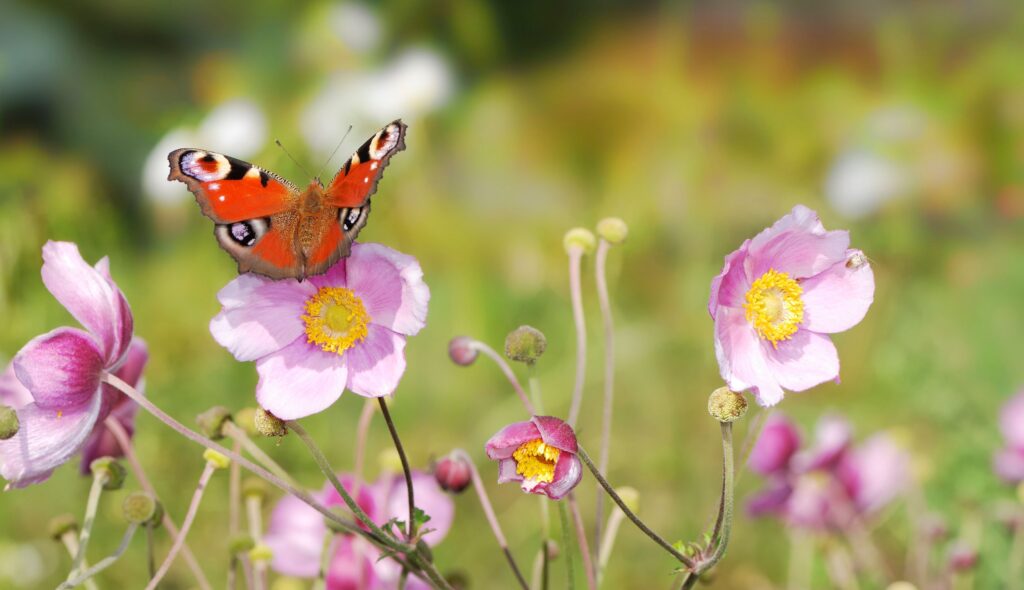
(803, 361)
(61, 368)
(838, 298)
(390, 285)
(299, 380)
(740, 357)
(260, 316)
(376, 364)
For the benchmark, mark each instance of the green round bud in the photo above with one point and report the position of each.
(111, 471)
(630, 497)
(218, 460)
(9, 424)
(61, 525)
(726, 405)
(268, 424)
(141, 508)
(579, 238)
(260, 553)
(612, 230)
(240, 544)
(255, 487)
(246, 418)
(211, 422)
(525, 344)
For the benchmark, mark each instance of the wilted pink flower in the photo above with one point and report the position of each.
(311, 340)
(296, 532)
(777, 298)
(62, 369)
(1009, 461)
(539, 453)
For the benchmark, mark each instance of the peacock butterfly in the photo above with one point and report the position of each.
(272, 228)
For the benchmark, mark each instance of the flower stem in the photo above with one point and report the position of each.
(581, 538)
(576, 292)
(567, 544)
(609, 378)
(190, 517)
(238, 435)
(362, 434)
(70, 541)
(85, 576)
(234, 510)
(406, 471)
(534, 383)
(150, 552)
(723, 525)
(629, 513)
(485, 503)
(254, 516)
(91, 506)
(125, 442)
(507, 370)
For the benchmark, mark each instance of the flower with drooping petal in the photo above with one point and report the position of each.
(1009, 461)
(62, 369)
(312, 340)
(540, 453)
(777, 299)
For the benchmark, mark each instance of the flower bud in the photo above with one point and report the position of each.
(726, 405)
(453, 473)
(630, 497)
(260, 553)
(612, 230)
(962, 557)
(246, 419)
(142, 508)
(525, 344)
(579, 238)
(255, 487)
(216, 459)
(8, 422)
(462, 351)
(240, 544)
(268, 424)
(110, 470)
(61, 525)
(211, 422)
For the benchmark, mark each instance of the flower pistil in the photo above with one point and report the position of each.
(335, 319)
(774, 307)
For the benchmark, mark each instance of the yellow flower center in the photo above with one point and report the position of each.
(774, 307)
(335, 319)
(535, 461)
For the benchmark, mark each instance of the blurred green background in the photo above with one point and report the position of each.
(698, 125)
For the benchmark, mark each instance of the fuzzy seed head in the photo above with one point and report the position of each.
(726, 405)
(268, 424)
(612, 229)
(525, 344)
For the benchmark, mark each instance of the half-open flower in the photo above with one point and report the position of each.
(62, 369)
(311, 340)
(777, 299)
(541, 454)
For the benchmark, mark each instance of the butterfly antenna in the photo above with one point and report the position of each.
(292, 158)
(336, 148)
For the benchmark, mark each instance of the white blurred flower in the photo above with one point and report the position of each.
(415, 83)
(237, 128)
(355, 25)
(861, 181)
(21, 565)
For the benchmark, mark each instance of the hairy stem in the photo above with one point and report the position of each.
(723, 526)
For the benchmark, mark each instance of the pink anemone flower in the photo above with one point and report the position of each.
(296, 532)
(62, 369)
(777, 299)
(311, 340)
(540, 453)
(1009, 461)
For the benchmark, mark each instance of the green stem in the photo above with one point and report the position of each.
(103, 563)
(411, 528)
(720, 539)
(70, 541)
(570, 569)
(91, 506)
(689, 563)
(186, 524)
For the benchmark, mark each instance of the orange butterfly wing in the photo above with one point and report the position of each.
(357, 180)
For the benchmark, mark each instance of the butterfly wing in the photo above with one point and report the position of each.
(347, 198)
(254, 210)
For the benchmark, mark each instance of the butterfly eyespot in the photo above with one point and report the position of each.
(350, 217)
(246, 233)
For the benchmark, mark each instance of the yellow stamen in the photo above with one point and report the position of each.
(536, 461)
(774, 307)
(335, 319)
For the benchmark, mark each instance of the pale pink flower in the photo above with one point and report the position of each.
(62, 368)
(777, 299)
(311, 340)
(541, 454)
(1009, 461)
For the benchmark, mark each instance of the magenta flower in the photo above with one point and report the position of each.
(296, 532)
(102, 443)
(540, 453)
(311, 340)
(779, 440)
(1009, 461)
(62, 369)
(777, 298)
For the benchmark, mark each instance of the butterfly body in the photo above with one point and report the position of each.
(267, 224)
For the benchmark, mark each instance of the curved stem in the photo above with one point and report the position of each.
(581, 538)
(103, 563)
(190, 517)
(609, 378)
(70, 541)
(125, 442)
(576, 292)
(629, 513)
(507, 370)
(411, 528)
(91, 506)
(720, 538)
